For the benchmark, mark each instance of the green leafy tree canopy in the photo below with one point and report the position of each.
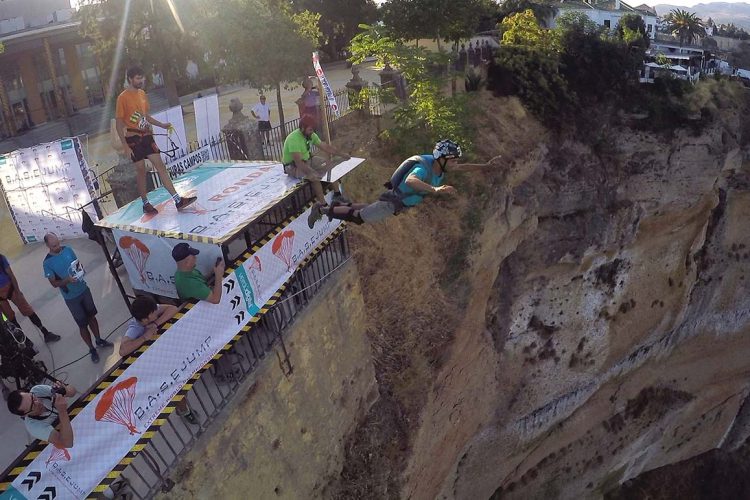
(144, 32)
(264, 43)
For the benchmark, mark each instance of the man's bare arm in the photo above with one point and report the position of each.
(475, 167)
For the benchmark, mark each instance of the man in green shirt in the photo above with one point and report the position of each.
(189, 281)
(300, 164)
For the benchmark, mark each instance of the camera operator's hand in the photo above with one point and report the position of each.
(61, 404)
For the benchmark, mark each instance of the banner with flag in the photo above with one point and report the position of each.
(326, 86)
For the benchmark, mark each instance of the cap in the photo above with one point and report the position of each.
(183, 250)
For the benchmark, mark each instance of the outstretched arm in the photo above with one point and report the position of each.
(475, 167)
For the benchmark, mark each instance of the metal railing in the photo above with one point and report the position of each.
(218, 382)
(216, 386)
(226, 147)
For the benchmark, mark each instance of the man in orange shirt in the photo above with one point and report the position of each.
(134, 126)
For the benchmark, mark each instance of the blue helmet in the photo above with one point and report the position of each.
(446, 149)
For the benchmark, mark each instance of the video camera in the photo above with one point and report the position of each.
(17, 357)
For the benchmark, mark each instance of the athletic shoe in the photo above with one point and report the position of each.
(103, 343)
(51, 337)
(94, 355)
(340, 199)
(315, 215)
(185, 201)
(148, 208)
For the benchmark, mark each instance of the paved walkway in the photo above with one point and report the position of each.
(26, 262)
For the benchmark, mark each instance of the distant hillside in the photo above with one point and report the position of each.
(721, 12)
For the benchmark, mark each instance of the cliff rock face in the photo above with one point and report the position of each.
(607, 323)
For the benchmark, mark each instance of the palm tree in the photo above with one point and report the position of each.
(685, 25)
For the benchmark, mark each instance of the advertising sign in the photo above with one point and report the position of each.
(44, 186)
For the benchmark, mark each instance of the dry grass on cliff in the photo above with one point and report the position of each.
(413, 272)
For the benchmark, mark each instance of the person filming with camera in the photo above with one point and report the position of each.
(40, 407)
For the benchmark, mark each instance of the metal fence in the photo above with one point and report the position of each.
(230, 146)
(216, 386)
(218, 382)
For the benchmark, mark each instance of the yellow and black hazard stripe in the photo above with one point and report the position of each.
(107, 380)
(170, 408)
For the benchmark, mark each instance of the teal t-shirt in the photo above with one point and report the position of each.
(425, 175)
(61, 266)
(296, 142)
(191, 285)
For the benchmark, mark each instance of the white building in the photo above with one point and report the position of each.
(686, 62)
(607, 13)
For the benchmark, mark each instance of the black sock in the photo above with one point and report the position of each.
(15, 322)
(38, 323)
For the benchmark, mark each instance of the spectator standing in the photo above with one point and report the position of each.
(262, 112)
(65, 272)
(309, 102)
(11, 292)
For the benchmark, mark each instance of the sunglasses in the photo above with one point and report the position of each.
(34, 401)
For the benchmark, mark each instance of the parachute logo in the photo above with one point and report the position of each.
(138, 253)
(283, 248)
(255, 268)
(58, 455)
(116, 405)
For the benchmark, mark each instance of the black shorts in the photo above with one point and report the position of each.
(263, 126)
(82, 308)
(142, 146)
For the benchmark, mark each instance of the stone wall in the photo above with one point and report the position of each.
(282, 437)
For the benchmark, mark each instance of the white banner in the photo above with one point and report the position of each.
(189, 161)
(148, 260)
(207, 123)
(44, 187)
(173, 116)
(185, 164)
(230, 195)
(109, 426)
(326, 86)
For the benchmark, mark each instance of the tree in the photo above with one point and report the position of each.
(543, 10)
(339, 20)
(436, 19)
(427, 113)
(144, 32)
(261, 42)
(573, 20)
(523, 29)
(632, 30)
(685, 25)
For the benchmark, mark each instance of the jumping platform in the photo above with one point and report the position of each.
(235, 200)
